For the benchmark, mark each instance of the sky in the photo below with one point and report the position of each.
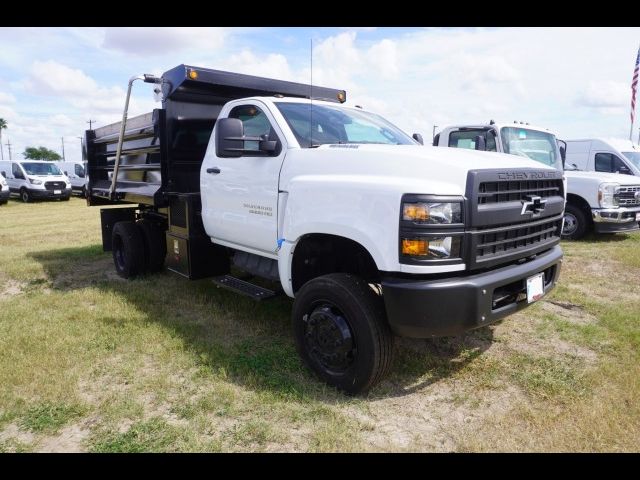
(574, 81)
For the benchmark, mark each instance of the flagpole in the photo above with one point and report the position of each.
(634, 87)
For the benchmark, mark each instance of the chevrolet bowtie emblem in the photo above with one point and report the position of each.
(533, 205)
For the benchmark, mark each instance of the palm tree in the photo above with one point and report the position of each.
(3, 125)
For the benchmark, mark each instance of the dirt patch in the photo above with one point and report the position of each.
(11, 288)
(428, 420)
(13, 432)
(69, 440)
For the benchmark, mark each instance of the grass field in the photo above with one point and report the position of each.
(90, 362)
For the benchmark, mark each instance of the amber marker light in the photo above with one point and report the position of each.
(193, 75)
(415, 247)
(415, 212)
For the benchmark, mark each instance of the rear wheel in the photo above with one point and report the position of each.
(341, 332)
(128, 249)
(25, 195)
(155, 244)
(575, 224)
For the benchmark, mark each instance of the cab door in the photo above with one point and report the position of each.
(240, 194)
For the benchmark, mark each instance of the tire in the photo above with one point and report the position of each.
(128, 250)
(576, 223)
(83, 192)
(155, 245)
(25, 196)
(341, 332)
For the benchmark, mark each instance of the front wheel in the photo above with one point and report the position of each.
(25, 195)
(575, 223)
(341, 332)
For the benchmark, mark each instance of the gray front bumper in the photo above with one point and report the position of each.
(611, 220)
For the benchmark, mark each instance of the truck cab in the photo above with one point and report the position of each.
(269, 187)
(35, 179)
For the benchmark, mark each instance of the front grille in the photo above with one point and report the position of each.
(54, 185)
(504, 241)
(627, 196)
(508, 191)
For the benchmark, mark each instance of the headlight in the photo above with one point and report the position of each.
(431, 248)
(35, 181)
(607, 195)
(432, 212)
(3, 182)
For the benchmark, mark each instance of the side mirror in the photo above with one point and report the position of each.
(230, 140)
(481, 142)
(418, 138)
(563, 151)
(65, 172)
(4, 174)
(229, 137)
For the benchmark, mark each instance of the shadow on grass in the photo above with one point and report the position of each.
(600, 238)
(245, 341)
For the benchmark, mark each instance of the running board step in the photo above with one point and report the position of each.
(244, 288)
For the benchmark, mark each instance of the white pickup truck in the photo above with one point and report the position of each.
(372, 234)
(598, 201)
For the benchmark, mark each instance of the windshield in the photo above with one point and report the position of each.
(634, 157)
(539, 146)
(41, 169)
(327, 124)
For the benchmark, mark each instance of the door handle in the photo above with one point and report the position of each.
(214, 170)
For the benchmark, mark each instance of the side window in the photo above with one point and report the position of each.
(467, 139)
(255, 124)
(604, 162)
(17, 172)
(79, 170)
(620, 167)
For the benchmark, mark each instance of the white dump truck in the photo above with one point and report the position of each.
(596, 201)
(372, 234)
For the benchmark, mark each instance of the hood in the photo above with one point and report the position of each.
(603, 177)
(414, 168)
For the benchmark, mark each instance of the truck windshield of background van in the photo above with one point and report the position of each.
(327, 125)
(41, 169)
(538, 146)
(633, 157)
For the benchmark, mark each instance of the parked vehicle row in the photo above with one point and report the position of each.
(35, 179)
(604, 198)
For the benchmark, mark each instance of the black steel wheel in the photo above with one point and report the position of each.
(25, 196)
(341, 332)
(128, 249)
(155, 244)
(575, 223)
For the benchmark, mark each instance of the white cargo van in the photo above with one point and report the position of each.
(32, 179)
(604, 155)
(4, 190)
(76, 174)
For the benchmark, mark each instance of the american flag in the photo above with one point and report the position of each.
(634, 87)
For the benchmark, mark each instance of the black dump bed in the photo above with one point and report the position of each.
(163, 150)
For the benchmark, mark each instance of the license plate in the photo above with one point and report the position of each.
(535, 287)
(57, 192)
(638, 217)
